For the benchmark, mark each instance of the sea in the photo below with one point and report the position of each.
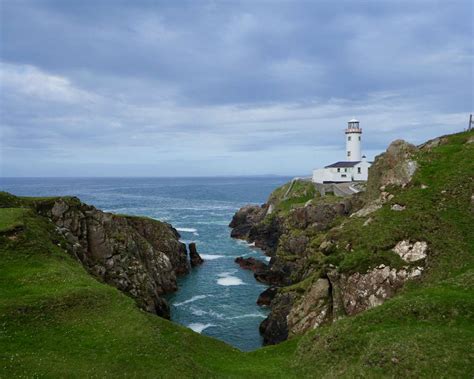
(217, 299)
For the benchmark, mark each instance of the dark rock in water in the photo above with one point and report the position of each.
(139, 256)
(267, 296)
(251, 264)
(194, 256)
(274, 328)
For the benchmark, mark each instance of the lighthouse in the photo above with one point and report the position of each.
(354, 168)
(353, 141)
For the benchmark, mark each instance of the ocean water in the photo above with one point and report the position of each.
(218, 298)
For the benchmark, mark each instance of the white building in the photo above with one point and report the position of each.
(354, 168)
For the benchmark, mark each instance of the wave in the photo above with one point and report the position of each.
(199, 312)
(194, 298)
(249, 315)
(198, 327)
(211, 257)
(227, 279)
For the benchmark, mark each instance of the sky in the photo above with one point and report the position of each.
(210, 88)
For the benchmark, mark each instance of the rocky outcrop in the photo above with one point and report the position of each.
(274, 328)
(411, 252)
(194, 257)
(267, 296)
(139, 256)
(313, 309)
(394, 167)
(251, 264)
(340, 295)
(245, 218)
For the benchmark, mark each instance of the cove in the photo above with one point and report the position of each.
(217, 299)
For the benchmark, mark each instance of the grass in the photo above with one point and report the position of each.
(58, 321)
(293, 194)
(439, 214)
(11, 218)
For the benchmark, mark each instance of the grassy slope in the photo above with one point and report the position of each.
(429, 329)
(56, 320)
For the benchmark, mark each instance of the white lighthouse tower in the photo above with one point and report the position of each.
(355, 167)
(353, 141)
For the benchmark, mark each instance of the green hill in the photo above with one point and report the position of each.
(58, 321)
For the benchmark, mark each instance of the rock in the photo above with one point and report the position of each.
(411, 252)
(272, 277)
(312, 310)
(326, 246)
(368, 221)
(139, 256)
(267, 296)
(194, 256)
(364, 291)
(251, 264)
(397, 207)
(319, 214)
(274, 328)
(394, 167)
(245, 218)
(266, 234)
(368, 209)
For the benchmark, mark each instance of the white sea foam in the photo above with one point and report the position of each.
(200, 312)
(211, 257)
(227, 279)
(188, 230)
(198, 327)
(194, 298)
(249, 315)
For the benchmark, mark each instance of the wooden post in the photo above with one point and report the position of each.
(470, 123)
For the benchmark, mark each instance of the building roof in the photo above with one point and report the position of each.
(343, 164)
(353, 120)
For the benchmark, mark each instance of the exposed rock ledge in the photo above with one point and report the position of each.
(139, 256)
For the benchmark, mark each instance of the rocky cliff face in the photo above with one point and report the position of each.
(322, 272)
(139, 256)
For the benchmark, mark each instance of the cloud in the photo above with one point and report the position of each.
(213, 88)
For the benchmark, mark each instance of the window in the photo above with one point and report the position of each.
(345, 170)
(358, 170)
(348, 153)
(343, 175)
(349, 138)
(359, 138)
(338, 170)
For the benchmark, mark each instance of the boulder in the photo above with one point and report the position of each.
(194, 256)
(394, 167)
(411, 252)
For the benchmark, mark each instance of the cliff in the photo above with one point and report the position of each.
(57, 320)
(336, 257)
(139, 256)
